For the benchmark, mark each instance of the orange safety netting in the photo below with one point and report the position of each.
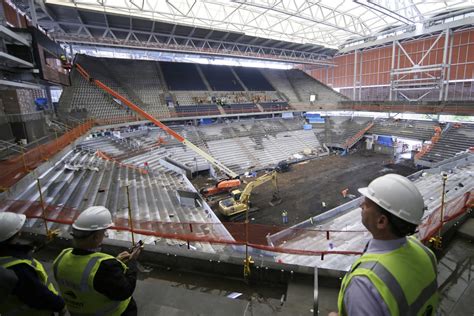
(452, 209)
(17, 167)
(228, 233)
(321, 241)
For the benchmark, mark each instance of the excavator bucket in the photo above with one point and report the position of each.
(276, 199)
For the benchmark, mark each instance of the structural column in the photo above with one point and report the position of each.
(355, 76)
(392, 77)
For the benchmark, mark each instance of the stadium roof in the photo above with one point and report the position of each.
(308, 30)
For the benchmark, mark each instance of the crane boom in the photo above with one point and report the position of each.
(158, 123)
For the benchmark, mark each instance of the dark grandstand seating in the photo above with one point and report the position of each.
(405, 129)
(221, 78)
(182, 76)
(253, 79)
(197, 110)
(456, 139)
(240, 108)
(274, 106)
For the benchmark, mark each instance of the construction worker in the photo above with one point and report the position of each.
(92, 282)
(284, 217)
(32, 293)
(396, 275)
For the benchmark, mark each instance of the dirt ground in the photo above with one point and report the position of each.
(308, 184)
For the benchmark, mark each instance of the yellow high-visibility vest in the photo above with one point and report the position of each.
(75, 276)
(405, 279)
(12, 305)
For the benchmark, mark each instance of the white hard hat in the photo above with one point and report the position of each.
(10, 224)
(397, 195)
(93, 218)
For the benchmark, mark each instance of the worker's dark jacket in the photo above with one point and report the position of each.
(30, 289)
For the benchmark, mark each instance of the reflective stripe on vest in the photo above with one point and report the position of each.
(389, 280)
(372, 266)
(12, 306)
(75, 274)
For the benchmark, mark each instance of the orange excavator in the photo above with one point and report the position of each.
(220, 187)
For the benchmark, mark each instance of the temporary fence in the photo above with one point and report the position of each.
(453, 208)
(17, 167)
(313, 241)
(227, 233)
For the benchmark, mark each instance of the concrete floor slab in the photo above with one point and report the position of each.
(466, 230)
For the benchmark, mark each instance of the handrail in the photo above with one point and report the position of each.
(434, 140)
(352, 140)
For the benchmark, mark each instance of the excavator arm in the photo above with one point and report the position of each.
(245, 196)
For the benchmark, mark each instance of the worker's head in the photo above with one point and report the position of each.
(393, 206)
(10, 226)
(90, 227)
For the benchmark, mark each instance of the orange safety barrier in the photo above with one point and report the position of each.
(320, 241)
(215, 233)
(17, 167)
(452, 210)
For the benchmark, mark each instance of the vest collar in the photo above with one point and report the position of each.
(378, 246)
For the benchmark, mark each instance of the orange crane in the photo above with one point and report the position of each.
(142, 113)
(220, 187)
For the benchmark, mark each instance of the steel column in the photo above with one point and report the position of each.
(392, 76)
(443, 67)
(355, 75)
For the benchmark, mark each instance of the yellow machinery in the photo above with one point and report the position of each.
(239, 200)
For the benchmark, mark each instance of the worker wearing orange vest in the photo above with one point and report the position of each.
(396, 275)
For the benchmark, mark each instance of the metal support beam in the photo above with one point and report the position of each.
(443, 67)
(419, 78)
(394, 46)
(34, 19)
(196, 45)
(360, 75)
(355, 76)
(450, 58)
(428, 29)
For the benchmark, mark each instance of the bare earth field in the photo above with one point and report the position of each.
(307, 184)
